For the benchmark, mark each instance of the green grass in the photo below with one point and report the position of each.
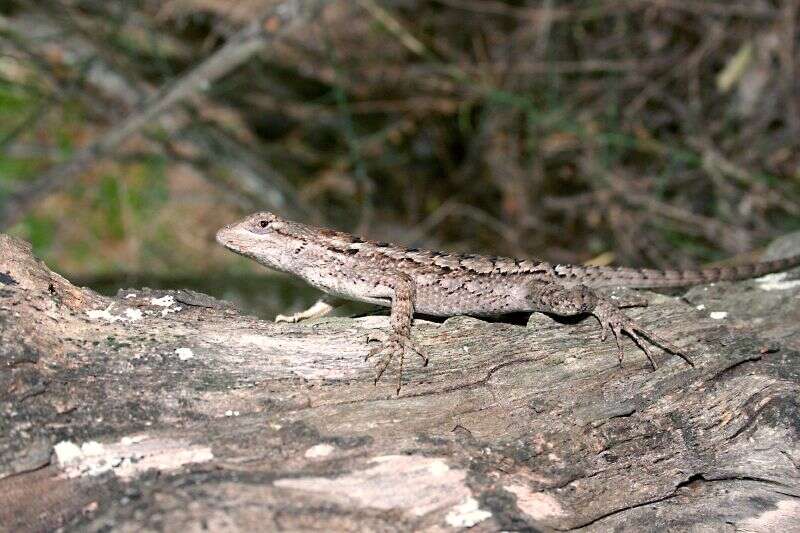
(40, 232)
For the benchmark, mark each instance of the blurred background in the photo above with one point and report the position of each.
(631, 132)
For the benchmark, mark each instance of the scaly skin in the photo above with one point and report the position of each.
(410, 280)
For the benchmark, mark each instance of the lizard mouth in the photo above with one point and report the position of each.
(238, 239)
(227, 237)
(222, 234)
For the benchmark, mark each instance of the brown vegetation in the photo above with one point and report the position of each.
(663, 132)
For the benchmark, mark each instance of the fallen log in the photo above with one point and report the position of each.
(171, 410)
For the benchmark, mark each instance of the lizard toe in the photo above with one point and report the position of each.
(616, 330)
(664, 344)
(411, 344)
(373, 352)
(385, 361)
(390, 348)
(611, 317)
(604, 331)
(641, 343)
(395, 346)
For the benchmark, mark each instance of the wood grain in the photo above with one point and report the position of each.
(208, 418)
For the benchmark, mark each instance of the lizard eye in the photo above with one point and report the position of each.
(263, 223)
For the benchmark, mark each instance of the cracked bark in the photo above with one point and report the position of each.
(254, 425)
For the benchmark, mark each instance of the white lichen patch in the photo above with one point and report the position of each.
(700, 307)
(67, 452)
(168, 303)
(537, 505)
(718, 315)
(184, 354)
(777, 282)
(318, 451)
(168, 310)
(129, 457)
(104, 314)
(129, 315)
(133, 314)
(415, 484)
(164, 301)
(466, 514)
(127, 441)
(130, 295)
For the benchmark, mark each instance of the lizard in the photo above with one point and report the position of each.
(412, 280)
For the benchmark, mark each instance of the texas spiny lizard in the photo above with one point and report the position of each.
(434, 283)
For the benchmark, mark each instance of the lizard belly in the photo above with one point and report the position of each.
(362, 287)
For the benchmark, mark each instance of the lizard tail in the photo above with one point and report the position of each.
(643, 278)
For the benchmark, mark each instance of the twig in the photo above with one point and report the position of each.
(395, 27)
(239, 49)
(453, 208)
(491, 7)
(249, 179)
(224, 155)
(721, 9)
(732, 238)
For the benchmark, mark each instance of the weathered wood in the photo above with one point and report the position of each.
(209, 419)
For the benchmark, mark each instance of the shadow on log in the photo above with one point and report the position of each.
(170, 410)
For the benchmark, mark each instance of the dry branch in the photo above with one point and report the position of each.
(170, 410)
(240, 47)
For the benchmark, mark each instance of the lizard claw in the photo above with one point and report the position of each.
(610, 317)
(604, 331)
(374, 336)
(395, 345)
(377, 335)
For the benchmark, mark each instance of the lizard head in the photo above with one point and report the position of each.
(261, 236)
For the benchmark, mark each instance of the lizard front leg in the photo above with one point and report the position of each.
(321, 307)
(402, 293)
(575, 300)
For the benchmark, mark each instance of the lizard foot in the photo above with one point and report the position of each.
(391, 346)
(321, 308)
(288, 319)
(611, 318)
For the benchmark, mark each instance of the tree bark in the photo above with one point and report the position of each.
(170, 410)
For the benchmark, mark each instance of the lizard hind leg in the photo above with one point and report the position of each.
(612, 318)
(575, 300)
